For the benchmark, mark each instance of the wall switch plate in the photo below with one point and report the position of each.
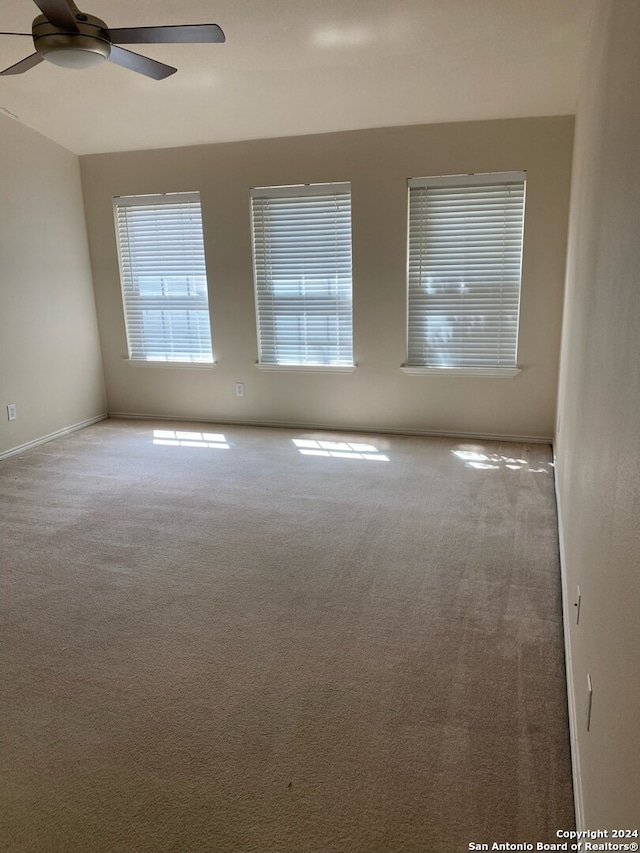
(577, 604)
(11, 412)
(239, 389)
(589, 700)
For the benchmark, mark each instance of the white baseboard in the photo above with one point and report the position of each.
(567, 616)
(468, 436)
(50, 437)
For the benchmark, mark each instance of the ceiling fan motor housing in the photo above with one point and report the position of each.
(89, 46)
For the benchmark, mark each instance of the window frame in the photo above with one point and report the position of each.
(132, 304)
(518, 177)
(301, 191)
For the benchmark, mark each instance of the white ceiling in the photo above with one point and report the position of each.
(303, 66)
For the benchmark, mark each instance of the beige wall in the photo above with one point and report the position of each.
(598, 441)
(377, 162)
(50, 361)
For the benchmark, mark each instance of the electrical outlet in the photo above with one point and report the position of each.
(239, 389)
(577, 604)
(589, 700)
(11, 412)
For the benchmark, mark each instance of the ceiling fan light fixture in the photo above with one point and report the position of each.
(76, 57)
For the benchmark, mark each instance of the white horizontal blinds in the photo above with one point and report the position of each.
(302, 262)
(465, 252)
(164, 281)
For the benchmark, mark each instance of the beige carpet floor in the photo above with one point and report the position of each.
(224, 639)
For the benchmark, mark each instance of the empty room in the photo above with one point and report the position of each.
(319, 426)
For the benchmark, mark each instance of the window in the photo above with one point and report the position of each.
(302, 265)
(164, 280)
(465, 253)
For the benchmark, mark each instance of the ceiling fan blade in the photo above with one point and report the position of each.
(23, 65)
(60, 13)
(16, 34)
(179, 34)
(141, 64)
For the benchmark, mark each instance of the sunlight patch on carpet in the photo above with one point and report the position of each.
(496, 461)
(182, 438)
(339, 449)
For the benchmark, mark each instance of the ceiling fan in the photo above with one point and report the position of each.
(64, 35)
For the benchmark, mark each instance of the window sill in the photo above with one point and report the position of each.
(307, 368)
(488, 372)
(181, 365)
